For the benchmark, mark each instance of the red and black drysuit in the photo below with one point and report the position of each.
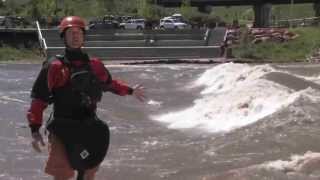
(53, 86)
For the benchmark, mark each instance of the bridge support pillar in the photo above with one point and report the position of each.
(262, 14)
(205, 9)
(316, 7)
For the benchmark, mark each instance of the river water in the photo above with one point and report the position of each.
(200, 122)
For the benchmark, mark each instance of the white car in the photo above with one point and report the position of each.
(133, 24)
(2, 19)
(169, 23)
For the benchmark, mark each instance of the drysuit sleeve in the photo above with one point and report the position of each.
(40, 99)
(108, 84)
(121, 88)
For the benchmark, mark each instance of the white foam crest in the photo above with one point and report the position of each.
(154, 102)
(10, 99)
(308, 162)
(227, 76)
(309, 94)
(235, 96)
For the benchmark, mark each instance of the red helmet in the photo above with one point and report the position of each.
(71, 21)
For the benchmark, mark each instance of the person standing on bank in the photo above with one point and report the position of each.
(74, 84)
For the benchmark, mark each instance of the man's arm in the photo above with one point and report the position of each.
(35, 114)
(115, 86)
(108, 84)
(40, 97)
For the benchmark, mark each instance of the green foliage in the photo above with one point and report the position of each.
(145, 8)
(13, 54)
(186, 10)
(148, 10)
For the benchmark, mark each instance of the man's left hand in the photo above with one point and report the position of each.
(138, 92)
(37, 141)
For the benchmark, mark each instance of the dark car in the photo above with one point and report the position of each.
(101, 25)
(107, 22)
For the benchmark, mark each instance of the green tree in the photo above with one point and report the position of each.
(192, 14)
(186, 10)
(125, 7)
(11, 8)
(35, 10)
(148, 10)
(47, 7)
(108, 6)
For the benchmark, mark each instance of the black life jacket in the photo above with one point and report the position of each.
(77, 99)
(74, 122)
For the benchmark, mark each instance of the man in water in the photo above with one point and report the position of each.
(73, 83)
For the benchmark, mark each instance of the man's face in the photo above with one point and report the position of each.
(74, 37)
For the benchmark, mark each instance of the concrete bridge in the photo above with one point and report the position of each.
(262, 8)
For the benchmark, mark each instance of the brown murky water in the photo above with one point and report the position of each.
(144, 149)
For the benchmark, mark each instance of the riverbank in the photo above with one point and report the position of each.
(10, 54)
(304, 48)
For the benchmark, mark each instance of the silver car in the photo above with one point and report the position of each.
(169, 23)
(133, 24)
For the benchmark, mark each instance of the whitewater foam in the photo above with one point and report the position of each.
(235, 95)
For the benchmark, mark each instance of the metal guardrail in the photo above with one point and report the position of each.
(148, 45)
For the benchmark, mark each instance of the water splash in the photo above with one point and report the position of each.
(235, 95)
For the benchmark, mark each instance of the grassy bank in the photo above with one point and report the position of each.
(13, 54)
(293, 50)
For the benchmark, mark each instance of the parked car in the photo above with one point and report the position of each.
(178, 17)
(123, 19)
(101, 25)
(2, 20)
(169, 23)
(107, 22)
(133, 24)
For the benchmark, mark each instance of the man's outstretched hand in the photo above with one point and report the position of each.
(37, 141)
(138, 92)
